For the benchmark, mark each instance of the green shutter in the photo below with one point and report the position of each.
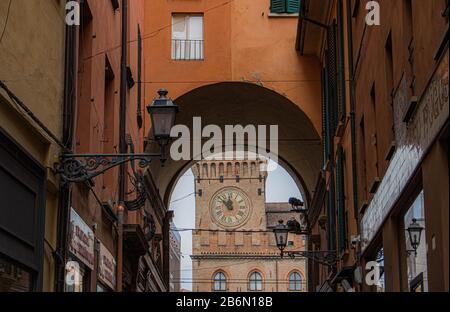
(278, 6)
(292, 6)
(341, 199)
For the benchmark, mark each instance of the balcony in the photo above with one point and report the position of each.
(187, 50)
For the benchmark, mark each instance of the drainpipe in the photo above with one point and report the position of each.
(353, 121)
(122, 142)
(119, 271)
(64, 198)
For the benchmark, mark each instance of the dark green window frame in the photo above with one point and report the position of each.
(285, 6)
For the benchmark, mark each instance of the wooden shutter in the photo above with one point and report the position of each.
(292, 6)
(139, 70)
(278, 6)
(340, 198)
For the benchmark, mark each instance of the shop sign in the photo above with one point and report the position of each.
(81, 240)
(106, 267)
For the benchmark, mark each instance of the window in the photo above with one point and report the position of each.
(295, 281)
(381, 287)
(220, 282)
(83, 279)
(255, 282)
(416, 259)
(187, 37)
(284, 6)
(13, 278)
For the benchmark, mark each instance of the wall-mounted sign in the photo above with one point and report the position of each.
(106, 267)
(81, 240)
(413, 139)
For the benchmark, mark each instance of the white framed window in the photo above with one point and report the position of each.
(187, 37)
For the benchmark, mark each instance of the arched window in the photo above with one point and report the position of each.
(255, 281)
(220, 282)
(245, 169)
(205, 170)
(237, 168)
(253, 169)
(221, 169)
(213, 171)
(295, 281)
(229, 169)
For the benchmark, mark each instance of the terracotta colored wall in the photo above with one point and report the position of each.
(242, 43)
(427, 31)
(97, 117)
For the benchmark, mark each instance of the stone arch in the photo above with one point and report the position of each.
(231, 103)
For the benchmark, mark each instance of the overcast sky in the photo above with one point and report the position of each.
(279, 187)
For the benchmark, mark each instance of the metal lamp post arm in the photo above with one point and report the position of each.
(83, 167)
(327, 258)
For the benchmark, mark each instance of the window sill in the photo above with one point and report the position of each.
(188, 60)
(283, 15)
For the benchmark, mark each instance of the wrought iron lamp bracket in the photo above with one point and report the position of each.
(76, 168)
(327, 258)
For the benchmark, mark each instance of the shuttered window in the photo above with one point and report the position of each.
(139, 76)
(293, 6)
(340, 198)
(284, 6)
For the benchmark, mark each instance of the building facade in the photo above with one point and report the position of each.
(234, 248)
(175, 260)
(385, 99)
(31, 140)
(117, 209)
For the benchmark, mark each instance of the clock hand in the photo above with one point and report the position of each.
(230, 204)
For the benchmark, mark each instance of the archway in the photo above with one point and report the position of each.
(232, 103)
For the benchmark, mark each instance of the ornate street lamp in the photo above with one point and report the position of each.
(163, 112)
(415, 232)
(84, 167)
(281, 232)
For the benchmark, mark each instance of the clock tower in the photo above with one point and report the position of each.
(233, 244)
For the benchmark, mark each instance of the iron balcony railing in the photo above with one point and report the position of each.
(187, 49)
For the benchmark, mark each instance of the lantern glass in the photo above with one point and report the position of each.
(281, 234)
(163, 113)
(415, 232)
(163, 119)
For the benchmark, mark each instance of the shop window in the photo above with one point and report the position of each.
(102, 288)
(381, 287)
(79, 276)
(13, 278)
(416, 254)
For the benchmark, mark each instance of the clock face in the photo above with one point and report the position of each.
(230, 207)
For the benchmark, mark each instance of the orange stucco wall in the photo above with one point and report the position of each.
(242, 43)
